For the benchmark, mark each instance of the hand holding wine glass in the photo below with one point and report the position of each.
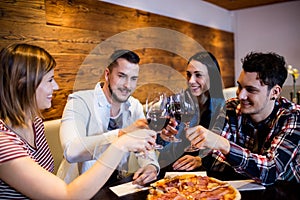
(207, 140)
(156, 115)
(184, 107)
(156, 111)
(160, 115)
(185, 113)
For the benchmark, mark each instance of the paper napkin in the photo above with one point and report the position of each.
(244, 185)
(127, 188)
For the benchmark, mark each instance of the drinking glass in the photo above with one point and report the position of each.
(185, 109)
(160, 112)
(156, 112)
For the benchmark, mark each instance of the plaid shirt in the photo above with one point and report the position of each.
(268, 151)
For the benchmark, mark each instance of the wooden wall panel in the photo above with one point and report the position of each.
(81, 34)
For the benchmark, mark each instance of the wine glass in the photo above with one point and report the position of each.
(173, 109)
(156, 115)
(185, 111)
(159, 114)
(156, 112)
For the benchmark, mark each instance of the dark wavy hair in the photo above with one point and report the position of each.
(270, 67)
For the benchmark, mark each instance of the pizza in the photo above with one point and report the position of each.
(192, 187)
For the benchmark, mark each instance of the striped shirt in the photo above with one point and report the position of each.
(13, 147)
(267, 151)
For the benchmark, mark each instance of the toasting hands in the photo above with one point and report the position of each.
(138, 124)
(204, 138)
(140, 140)
(170, 130)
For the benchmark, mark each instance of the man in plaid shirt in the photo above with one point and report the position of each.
(261, 134)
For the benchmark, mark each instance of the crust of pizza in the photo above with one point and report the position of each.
(190, 187)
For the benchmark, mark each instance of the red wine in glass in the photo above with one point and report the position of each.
(186, 117)
(158, 114)
(157, 122)
(188, 110)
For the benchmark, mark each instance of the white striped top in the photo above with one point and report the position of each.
(13, 146)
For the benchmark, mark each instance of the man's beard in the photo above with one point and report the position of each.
(114, 97)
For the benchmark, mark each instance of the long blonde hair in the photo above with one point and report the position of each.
(22, 67)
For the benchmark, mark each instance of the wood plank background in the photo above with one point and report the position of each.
(81, 34)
